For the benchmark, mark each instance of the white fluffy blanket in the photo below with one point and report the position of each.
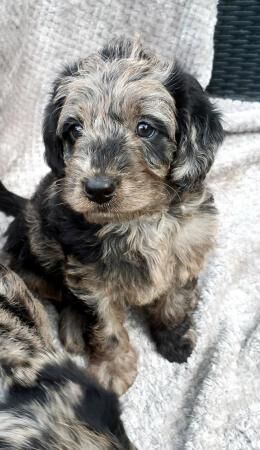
(213, 401)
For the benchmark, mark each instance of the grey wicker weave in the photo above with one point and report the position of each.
(236, 67)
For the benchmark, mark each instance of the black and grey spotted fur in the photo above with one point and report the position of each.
(147, 245)
(46, 401)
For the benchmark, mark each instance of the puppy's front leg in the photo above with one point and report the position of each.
(171, 322)
(99, 317)
(112, 358)
(96, 326)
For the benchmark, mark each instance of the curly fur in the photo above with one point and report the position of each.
(147, 245)
(46, 401)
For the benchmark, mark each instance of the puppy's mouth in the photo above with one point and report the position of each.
(125, 204)
(110, 212)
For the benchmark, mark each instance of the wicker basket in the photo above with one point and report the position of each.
(236, 67)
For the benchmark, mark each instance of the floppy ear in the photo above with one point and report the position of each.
(52, 142)
(199, 130)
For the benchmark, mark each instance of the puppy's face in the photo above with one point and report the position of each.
(114, 134)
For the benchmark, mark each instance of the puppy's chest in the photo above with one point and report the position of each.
(135, 265)
(139, 259)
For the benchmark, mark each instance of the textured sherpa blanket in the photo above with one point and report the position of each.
(213, 401)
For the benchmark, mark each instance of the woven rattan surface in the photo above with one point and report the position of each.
(236, 69)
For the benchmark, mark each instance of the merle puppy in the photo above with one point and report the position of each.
(46, 401)
(124, 217)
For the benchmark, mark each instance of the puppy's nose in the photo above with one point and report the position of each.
(100, 189)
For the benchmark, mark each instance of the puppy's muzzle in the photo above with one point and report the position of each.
(99, 189)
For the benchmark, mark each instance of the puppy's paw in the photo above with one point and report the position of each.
(175, 343)
(71, 331)
(118, 372)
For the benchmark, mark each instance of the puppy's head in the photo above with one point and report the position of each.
(124, 132)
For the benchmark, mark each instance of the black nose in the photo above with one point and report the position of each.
(100, 189)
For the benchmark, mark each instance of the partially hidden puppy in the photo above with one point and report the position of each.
(46, 401)
(125, 216)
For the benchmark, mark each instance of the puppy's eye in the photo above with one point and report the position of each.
(145, 130)
(75, 131)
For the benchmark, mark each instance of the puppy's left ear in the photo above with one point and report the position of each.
(199, 131)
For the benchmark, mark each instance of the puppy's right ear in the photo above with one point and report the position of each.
(53, 143)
